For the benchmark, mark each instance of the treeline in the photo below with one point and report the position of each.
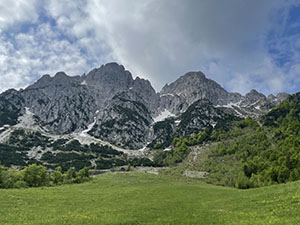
(38, 176)
(180, 146)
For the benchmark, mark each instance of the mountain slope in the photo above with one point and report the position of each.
(251, 153)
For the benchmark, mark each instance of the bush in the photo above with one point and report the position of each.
(11, 177)
(242, 182)
(57, 176)
(35, 176)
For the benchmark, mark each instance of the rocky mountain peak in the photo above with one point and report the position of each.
(254, 95)
(278, 98)
(271, 97)
(191, 79)
(143, 87)
(145, 90)
(61, 78)
(192, 76)
(111, 74)
(189, 88)
(282, 96)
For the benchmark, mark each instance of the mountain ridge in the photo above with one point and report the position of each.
(107, 95)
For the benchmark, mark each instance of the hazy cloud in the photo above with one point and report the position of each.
(161, 40)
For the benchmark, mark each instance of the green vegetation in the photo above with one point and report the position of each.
(67, 160)
(249, 153)
(13, 155)
(37, 176)
(27, 140)
(196, 117)
(192, 122)
(65, 153)
(139, 198)
(164, 131)
(172, 157)
(246, 153)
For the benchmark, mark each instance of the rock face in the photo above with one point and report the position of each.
(11, 103)
(62, 103)
(275, 100)
(127, 112)
(199, 116)
(179, 95)
(125, 122)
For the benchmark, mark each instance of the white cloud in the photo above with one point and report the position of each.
(17, 11)
(35, 53)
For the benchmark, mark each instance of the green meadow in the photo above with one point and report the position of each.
(140, 198)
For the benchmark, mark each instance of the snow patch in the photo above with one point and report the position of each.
(255, 103)
(83, 83)
(163, 115)
(4, 136)
(230, 105)
(233, 106)
(177, 122)
(84, 133)
(168, 94)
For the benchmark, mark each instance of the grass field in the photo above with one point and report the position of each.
(139, 198)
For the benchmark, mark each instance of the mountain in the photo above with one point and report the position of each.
(107, 107)
(179, 95)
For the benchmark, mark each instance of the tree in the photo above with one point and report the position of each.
(57, 176)
(35, 176)
(12, 178)
(1, 175)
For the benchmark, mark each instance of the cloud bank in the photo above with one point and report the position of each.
(240, 44)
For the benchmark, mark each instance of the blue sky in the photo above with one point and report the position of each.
(243, 45)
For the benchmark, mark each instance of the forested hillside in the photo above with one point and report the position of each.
(250, 153)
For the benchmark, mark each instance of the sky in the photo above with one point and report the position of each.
(243, 45)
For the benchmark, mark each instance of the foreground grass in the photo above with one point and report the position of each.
(138, 198)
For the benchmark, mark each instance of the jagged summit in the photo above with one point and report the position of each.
(192, 80)
(110, 74)
(187, 89)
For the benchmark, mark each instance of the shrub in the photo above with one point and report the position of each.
(57, 176)
(11, 177)
(35, 175)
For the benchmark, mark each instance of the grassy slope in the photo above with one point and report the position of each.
(137, 198)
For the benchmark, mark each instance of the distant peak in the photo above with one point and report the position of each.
(193, 74)
(253, 91)
(61, 74)
(254, 95)
(109, 75)
(46, 76)
(112, 66)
